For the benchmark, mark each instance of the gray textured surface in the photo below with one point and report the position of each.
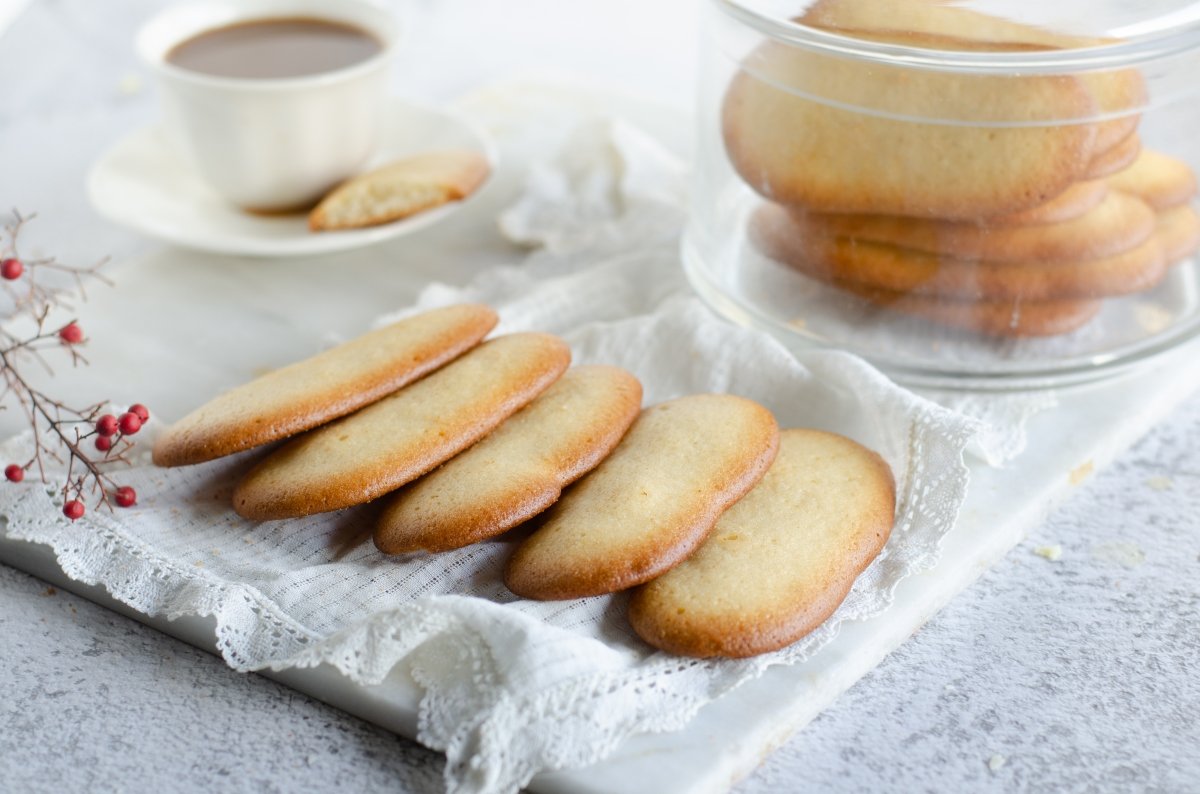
(92, 701)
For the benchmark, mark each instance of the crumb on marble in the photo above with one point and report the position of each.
(1081, 472)
(49, 591)
(1052, 553)
(996, 761)
(1160, 483)
(130, 84)
(1123, 553)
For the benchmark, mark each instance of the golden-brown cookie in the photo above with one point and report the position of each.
(519, 470)
(651, 502)
(1161, 181)
(781, 560)
(1118, 94)
(1120, 222)
(1178, 233)
(887, 267)
(874, 150)
(322, 388)
(401, 189)
(936, 18)
(392, 442)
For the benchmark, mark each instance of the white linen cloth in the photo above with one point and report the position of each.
(513, 686)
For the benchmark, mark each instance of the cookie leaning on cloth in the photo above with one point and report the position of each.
(781, 560)
(322, 388)
(651, 502)
(397, 439)
(400, 189)
(519, 470)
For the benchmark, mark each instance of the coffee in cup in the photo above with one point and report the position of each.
(273, 102)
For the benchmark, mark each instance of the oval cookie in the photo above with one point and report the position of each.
(855, 137)
(838, 259)
(1118, 223)
(383, 446)
(322, 388)
(1178, 233)
(651, 502)
(780, 561)
(401, 189)
(519, 470)
(1118, 94)
(1157, 179)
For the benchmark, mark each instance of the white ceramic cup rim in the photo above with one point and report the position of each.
(178, 23)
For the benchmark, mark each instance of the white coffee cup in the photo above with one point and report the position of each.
(277, 144)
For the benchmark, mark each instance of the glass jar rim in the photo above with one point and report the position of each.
(1115, 55)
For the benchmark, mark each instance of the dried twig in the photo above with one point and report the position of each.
(61, 431)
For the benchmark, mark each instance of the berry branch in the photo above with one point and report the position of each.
(60, 431)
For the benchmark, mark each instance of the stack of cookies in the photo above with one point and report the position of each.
(738, 538)
(991, 202)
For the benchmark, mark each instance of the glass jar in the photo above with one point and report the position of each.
(968, 195)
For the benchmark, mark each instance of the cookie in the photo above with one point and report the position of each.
(873, 151)
(519, 470)
(937, 18)
(781, 560)
(1118, 223)
(1157, 179)
(1014, 318)
(651, 502)
(887, 267)
(392, 442)
(1117, 158)
(322, 388)
(1073, 202)
(401, 189)
(1178, 233)
(1117, 94)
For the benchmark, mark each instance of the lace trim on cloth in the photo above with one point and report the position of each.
(514, 687)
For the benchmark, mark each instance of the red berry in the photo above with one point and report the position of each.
(103, 443)
(129, 423)
(73, 509)
(71, 333)
(141, 411)
(11, 269)
(14, 473)
(126, 496)
(106, 425)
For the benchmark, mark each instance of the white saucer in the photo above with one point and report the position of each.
(141, 183)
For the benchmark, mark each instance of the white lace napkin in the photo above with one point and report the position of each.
(512, 686)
